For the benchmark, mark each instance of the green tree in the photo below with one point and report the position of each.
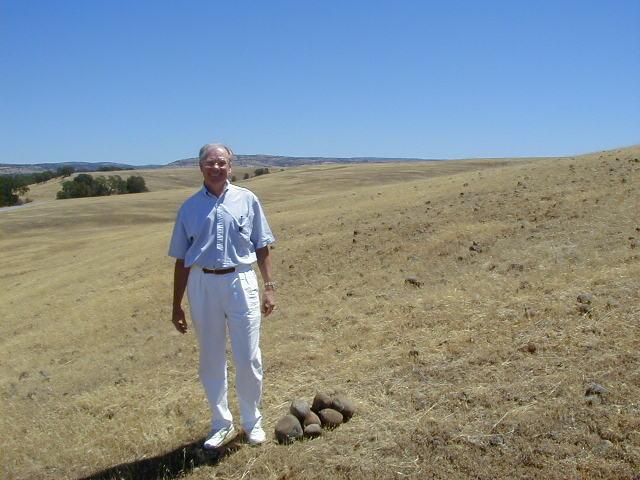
(80, 186)
(136, 184)
(101, 187)
(11, 187)
(116, 185)
(41, 177)
(63, 194)
(84, 185)
(65, 171)
(111, 168)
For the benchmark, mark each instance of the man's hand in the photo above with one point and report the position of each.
(179, 320)
(268, 302)
(269, 297)
(180, 278)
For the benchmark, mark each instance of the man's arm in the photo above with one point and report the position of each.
(264, 263)
(180, 277)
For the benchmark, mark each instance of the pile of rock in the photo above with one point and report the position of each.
(303, 421)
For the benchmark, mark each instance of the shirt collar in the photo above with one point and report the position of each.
(207, 193)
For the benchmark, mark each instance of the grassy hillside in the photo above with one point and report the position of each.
(478, 368)
(155, 179)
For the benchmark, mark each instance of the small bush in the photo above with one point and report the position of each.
(65, 172)
(261, 171)
(135, 184)
(112, 168)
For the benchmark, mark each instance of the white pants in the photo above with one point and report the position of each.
(219, 302)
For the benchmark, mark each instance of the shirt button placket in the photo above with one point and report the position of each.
(219, 236)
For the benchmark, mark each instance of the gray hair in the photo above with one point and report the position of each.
(204, 151)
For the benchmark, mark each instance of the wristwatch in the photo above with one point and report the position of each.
(272, 285)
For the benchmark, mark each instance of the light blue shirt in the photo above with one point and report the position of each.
(220, 232)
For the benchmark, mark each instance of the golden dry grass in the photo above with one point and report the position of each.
(155, 179)
(479, 373)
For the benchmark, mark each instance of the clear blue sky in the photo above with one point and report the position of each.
(151, 81)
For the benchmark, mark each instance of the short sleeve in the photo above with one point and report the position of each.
(179, 240)
(261, 235)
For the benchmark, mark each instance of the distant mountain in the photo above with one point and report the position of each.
(9, 169)
(241, 161)
(282, 161)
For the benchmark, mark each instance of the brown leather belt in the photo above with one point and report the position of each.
(219, 271)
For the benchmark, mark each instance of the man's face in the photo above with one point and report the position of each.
(215, 167)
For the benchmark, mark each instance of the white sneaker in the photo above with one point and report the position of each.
(256, 436)
(219, 437)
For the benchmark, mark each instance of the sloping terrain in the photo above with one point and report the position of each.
(441, 297)
(155, 180)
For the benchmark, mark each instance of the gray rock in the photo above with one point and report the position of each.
(420, 401)
(330, 418)
(585, 298)
(312, 430)
(311, 419)
(342, 404)
(608, 434)
(595, 389)
(612, 303)
(413, 281)
(529, 347)
(299, 409)
(475, 247)
(288, 429)
(602, 447)
(320, 402)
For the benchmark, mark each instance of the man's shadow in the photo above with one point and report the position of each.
(172, 464)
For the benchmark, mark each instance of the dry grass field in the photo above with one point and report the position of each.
(155, 179)
(477, 368)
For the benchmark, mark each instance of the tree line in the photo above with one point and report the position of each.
(84, 185)
(257, 172)
(13, 186)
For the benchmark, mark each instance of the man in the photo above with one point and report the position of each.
(219, 233)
